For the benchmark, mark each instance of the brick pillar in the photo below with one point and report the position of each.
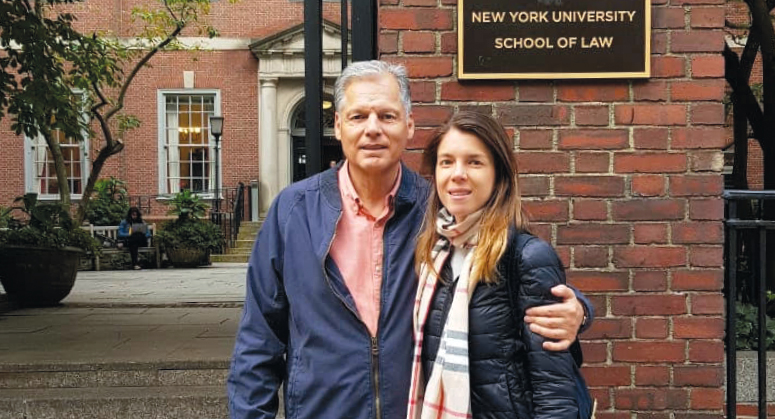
(624, 178)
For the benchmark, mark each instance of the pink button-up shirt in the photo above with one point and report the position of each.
(358, 246)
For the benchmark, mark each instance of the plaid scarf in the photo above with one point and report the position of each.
(446, 393)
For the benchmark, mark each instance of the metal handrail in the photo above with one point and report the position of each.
(230, 220)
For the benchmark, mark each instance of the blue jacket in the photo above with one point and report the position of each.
(123, 229)
(300, 326)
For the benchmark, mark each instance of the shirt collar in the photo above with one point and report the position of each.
(348, 192)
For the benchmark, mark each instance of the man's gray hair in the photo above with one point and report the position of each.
(363, 69)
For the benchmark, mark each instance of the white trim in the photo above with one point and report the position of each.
(161, 131)
(194, 42)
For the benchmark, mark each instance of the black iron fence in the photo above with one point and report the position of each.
(748, 229)
(229, 212)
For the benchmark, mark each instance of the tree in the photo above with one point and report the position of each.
(52, 74)
(753, 104)
(753, 110)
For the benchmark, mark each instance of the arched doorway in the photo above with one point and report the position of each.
(331, 149)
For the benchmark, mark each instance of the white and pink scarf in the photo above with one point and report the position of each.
(446, 393)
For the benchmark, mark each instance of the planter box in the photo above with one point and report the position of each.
(188, 258)
(35, 276)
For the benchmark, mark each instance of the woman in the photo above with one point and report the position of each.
(135, 233)
(474, 355)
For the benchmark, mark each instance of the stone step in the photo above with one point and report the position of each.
(251, 237)
(247, 233)
(244, 244)
(115, 402)
(205, 402)
(252, 227)
(229, 258)
(120, 374)
(252, 223)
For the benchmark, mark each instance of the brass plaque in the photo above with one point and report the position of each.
(553, 39)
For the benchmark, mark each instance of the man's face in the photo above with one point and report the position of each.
(372, 125)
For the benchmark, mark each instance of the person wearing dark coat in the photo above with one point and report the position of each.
(475, 356)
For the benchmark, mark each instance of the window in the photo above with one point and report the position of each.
(187, 150)
(41, 175)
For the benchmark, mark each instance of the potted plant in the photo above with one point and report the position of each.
(40, 252)
(189, 240)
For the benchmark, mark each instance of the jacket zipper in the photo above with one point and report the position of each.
(374, 340)
(375, 374)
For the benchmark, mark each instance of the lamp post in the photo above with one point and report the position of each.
(216, 129)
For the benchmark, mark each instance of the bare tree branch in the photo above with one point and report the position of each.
(760, 15)
(140, 64)
(742, 95)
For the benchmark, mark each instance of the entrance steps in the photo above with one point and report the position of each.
(240, 253)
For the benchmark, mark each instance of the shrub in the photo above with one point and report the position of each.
(45, 225)
(189, 230)
(110, 204)
(747, 330)
(191, 234)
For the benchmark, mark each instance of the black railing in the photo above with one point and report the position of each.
(232, 212)
(364, 47)
(746, 264)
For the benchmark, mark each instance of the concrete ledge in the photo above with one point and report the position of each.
(114, 366)
(748, 376)
(133, 378)
(115, 402)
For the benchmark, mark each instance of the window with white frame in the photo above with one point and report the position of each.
(187, 150)
(41, 175)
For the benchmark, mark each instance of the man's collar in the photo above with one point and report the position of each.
(348, 189)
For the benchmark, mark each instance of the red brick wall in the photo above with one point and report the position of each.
(243, 19)
(622, 177)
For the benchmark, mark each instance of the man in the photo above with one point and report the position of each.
(331, 282)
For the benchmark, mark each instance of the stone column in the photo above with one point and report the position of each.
(268, 144)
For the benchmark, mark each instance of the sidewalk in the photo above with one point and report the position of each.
(155, 315)
(222, 284)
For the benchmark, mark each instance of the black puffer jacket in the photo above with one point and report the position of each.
(511, 375)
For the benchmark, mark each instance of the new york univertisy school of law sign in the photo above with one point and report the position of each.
(553, 39)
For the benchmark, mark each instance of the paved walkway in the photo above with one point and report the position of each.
(219, 284)
(147, 316)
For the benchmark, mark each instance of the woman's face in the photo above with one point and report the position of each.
(465, 173)
(135, 215)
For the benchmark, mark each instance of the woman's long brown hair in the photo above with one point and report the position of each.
(502, 210)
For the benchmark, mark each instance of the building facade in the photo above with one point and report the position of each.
(253, 75)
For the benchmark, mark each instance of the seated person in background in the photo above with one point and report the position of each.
(134, 232)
